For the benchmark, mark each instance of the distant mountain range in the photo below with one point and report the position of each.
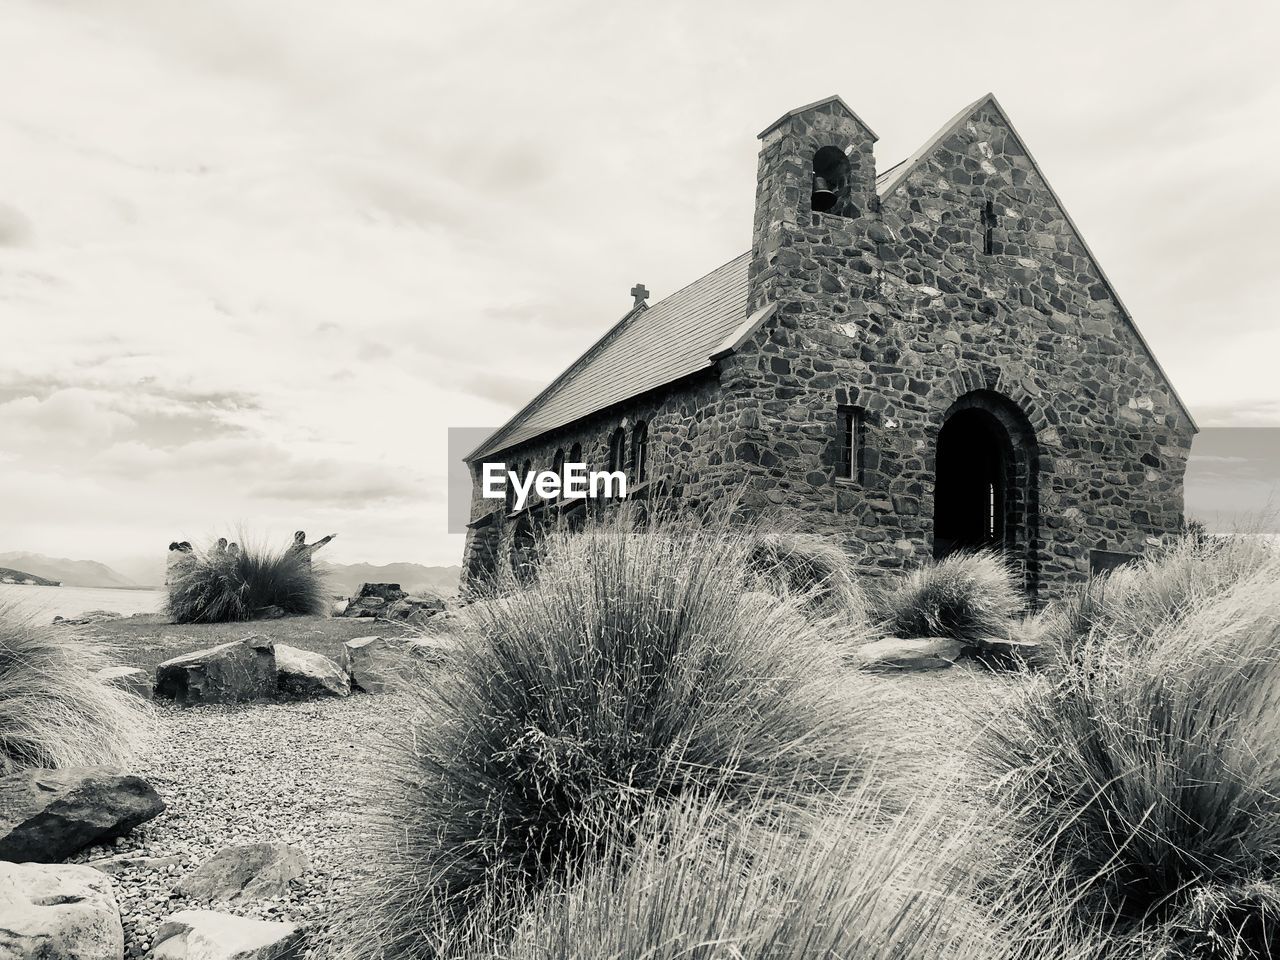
(342, 578)
(72, 573)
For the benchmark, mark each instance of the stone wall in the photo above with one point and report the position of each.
(684, 427)
(899, 311)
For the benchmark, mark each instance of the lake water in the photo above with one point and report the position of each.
(45, 603)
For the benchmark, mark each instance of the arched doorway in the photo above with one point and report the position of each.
(985, 486)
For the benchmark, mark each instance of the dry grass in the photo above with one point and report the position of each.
(793, 563)
(626, 677)
(830, 881)
(54, 712)
(1149, 765)
(1147, 596)
(966, 596)
(223, 588)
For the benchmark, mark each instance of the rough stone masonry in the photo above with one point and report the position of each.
(914, 362)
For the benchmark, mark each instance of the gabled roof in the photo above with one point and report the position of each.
(648, 348)
(892, 178)
(838, 101)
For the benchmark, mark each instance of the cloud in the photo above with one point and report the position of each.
(15, 229)
(266, 258)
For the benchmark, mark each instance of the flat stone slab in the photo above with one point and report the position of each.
(209, 935)
(236, 672)
(49, 815)
(58, 912)
(898, 655)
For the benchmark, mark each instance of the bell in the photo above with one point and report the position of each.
(823, 198)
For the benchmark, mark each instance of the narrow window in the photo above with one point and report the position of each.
(851, 421)
(639, 452)
(511, 493)
(617, 450)
(557, 467)
(989, 221)
(991, 511)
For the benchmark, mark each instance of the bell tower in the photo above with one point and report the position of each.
(816, 176)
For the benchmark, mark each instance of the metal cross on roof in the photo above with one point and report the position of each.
(640, 293)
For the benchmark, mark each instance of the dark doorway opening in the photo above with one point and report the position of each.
(971, 499)
(986, 483)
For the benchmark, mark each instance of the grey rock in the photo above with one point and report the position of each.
(234, 672)
(58, 912)
(373, 663)
(304, 673)
(49, 815)
(374, 600)
(254, 871)
(895, 655)
(208, 935)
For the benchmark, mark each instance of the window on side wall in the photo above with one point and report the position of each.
(851, 422)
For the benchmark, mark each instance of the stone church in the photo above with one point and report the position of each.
(915, 360)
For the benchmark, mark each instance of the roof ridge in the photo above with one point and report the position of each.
(928, 146)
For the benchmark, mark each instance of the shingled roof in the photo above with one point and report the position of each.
(648, 348)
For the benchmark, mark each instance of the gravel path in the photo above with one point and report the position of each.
(294, 772)
(232, 775)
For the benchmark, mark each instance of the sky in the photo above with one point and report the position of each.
(258, 256)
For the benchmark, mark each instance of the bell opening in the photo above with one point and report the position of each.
(830, 179)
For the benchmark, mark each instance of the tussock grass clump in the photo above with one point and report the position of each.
(627, 676)
(812, 568)
(1150, 766)
(966, 596)
(1143, 597)
(222, 587)
(826, 882)
(54, 712)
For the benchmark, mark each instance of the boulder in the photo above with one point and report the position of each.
(303, 673)
(133, 680)
(58, 912)
(415, 608)
(254, 871)
(373, 663)
(207, 935)
(234, 672)
(49, 815)
(374, 600)
(895, 655)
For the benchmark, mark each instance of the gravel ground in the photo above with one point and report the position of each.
(294, 771)
(232, 775)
